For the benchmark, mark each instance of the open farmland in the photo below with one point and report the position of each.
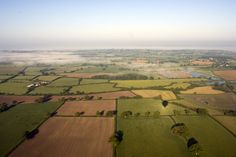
(227, 121)
(151, 83)
(203, 62)
(94, 88)
(178, 86)
(17, 88)
(70, 137)
(23, 98)
(98, 103)
(48, 90)
(47, 78)
(22, 118)
(226, 74)
(215, 101)
(10, 70)
(65, 82)
(175, 74)
(148, 138)
(213, 138)
(148, 105)
(107, 95)
(202, 90)
(24, 77)
(88, 107)
(164, 95)
(90, 81)
(84, 75)
(3, 77)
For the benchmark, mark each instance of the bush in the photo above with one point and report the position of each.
(156, 114)
(202, 111)
(78, 114)
(126, 114)
(116, 138)
(31, 134)
(98, 113)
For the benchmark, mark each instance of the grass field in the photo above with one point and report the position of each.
(17, 88)
(10, 70)
(164, 95)
(149, 138)
(89, 81)
(151, 83)
(213, 138)
(145, 105)
(24, 77)
(34, 70)
(85, 137)
(19, 119)
(3, 77)
(214, 101)
(228, 121)
(178, 86)
(202, 90)
(48, 90)
(88, 107)
(65, 82)
(94, 88)
(47, 78)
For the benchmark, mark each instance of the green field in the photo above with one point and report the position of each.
(94, 88)
(47, 78)
(144, 105)
(65, 82)
(151, 83)
(22, 77)
(213, 138)
(178, 86)
(21, 118)
(90, 81)
(17, 88)
(34, 70)
(3, 77)
(48, 90)
(149, 138)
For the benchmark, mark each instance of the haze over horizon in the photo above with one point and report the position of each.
(70, 24)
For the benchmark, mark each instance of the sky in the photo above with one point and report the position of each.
(78, 24)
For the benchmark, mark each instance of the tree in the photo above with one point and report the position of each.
(137, 114)
(78, 114)
(193, 146)
(147, 114)
(98, 113)
(180, 129)
(165, 103)
(126, 114)
(116, 138)
(202, 111)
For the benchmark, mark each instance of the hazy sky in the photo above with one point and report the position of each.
(65, 24)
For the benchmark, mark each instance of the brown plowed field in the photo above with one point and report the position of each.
(88, 107)
(70, 137)
(24, 99)
(226, 74)
(108, 95)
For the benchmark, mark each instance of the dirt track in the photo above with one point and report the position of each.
(70, 137)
